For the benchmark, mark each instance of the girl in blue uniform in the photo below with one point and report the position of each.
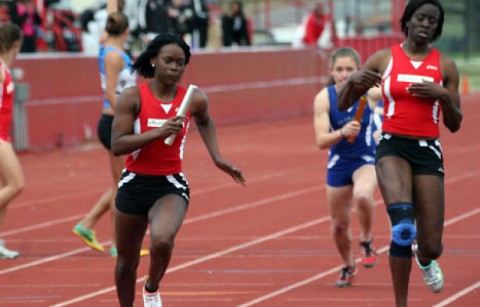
(115, 75)
(350, 172)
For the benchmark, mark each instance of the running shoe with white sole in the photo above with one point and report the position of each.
(432, 274)
(151, 299)
(5, 253)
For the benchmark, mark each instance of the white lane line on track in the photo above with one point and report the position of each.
(458, 295)
(187, 221)
(304, 282)
(42, 201)
(42, 225)
(243, 246)
(381, 250)
(43, 260)
(255, 204)
(247, 244)
(462, 217)
(194, 192)
(207, 257)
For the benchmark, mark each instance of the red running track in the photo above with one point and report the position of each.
(266, 244)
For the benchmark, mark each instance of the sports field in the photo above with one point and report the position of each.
(265, 244)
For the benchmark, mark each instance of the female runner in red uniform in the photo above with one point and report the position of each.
(11, 174)
(152, 189)
(418, 83)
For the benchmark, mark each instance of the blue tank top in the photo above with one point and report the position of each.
(126, 78)
(364, 143)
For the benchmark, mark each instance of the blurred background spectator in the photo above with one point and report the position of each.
(189, 18)
(93, 20)
(152, 18)
(235, 26)
(179, 17)
(162, 16)
(270, 22)
(312, 27)
(198, 19)
(24, 14)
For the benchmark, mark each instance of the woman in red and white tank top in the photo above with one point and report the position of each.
(418, 84)
(11, 173)
(152, 189)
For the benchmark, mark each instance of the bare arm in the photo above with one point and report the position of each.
(124, 140)
(321, 122)
(324, 137)
(112, 6)
(374, 96)
(207, 130)
(113, 65)
(361, 81)
(452, 113)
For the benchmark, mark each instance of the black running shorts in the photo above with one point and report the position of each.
(138, 193)
(104, 130)
(424, 156)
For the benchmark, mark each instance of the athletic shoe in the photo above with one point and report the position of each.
(346, 276)
(87, 236)
(432, 274)
(369, 254)
(5, 253)
(151, 299)
(114, 252)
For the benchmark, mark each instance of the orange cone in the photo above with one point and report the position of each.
(465, 85)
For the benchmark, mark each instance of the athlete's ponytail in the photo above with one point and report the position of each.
(117, 23)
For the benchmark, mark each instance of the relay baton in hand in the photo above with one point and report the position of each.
(182, 110)
(359, 114)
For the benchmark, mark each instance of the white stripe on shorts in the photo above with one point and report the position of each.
(126, 179)
(436, 151)
(333, 161)
(183, 177)
(175, 182)
(424, 143)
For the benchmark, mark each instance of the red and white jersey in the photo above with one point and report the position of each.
(6, 103)
(156, 158)
(404, 113)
